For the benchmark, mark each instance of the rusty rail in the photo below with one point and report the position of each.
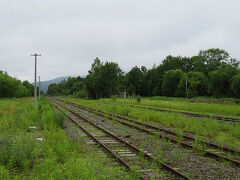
(220, 118)
(184, 144)
(133, 148)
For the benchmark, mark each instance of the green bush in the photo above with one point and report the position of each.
(57, 145)
(138, 99)
(28, 117)
(52, 120)
(4, 174)
(44, 106)
(48, 168)
(114, 98)
(82, 93)
(235, 86)
(18, 152)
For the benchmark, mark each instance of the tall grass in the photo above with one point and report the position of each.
(210, 128)
(17, 153)
(4, 173)
(50, 119)
(18, 147)
(182, 105)
(56, 157)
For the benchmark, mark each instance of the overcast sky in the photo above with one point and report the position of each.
(69, 34)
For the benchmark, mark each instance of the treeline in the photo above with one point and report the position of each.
(12, 87)
(72, 86)
(210, 73)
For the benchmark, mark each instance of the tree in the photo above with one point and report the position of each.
(131, 90)
(52, 89)
(153, 81)
(214, 58)
(135, 77)
(11, 87)
(193, 84)
(29, 87)
(103, 79)
(235, 86)
(170, 82)
(218, 83)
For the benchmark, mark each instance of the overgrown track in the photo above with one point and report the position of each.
(212, 150)
(124, 152)
(197, 115)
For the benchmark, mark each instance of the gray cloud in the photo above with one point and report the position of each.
(70, 34)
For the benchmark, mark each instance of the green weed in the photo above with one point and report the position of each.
(18, 152)
(210, 128)
(52, 120)
(4, 173)
(198, 146)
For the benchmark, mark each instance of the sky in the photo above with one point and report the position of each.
(70, 34)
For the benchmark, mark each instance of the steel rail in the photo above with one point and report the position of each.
(111, 153)
(184, 144)
(132, 147)
(220, 118)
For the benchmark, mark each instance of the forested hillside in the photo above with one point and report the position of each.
(45, 84)
(212, 72)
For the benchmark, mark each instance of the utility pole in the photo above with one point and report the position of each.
(39, 91)
(35, 78)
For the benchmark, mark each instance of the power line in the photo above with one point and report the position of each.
(12, 12)
(32, 14)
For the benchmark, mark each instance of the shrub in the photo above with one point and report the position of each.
(52, 120)
(4, 174)
(138, 99)
(82, 93)
(48, 169)
(114, 98)
(18, 152)
(235, 86)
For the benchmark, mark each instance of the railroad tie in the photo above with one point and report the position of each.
(107, 141)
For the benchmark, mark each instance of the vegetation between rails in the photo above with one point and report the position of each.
(56, 156)
(178, 104)
(210, 128)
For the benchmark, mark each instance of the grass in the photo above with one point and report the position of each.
(210, 128)
(57, 156)
(180, 104)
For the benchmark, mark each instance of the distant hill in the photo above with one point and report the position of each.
(45, 84)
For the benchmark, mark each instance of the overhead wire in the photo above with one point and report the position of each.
(12, 12)
(35, 28)
(32, 28)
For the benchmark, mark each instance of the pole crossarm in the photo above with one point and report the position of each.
(36, 54)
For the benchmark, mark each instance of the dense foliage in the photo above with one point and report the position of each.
(71, 86)
(103, 79)
(211, 73)
(11, 87)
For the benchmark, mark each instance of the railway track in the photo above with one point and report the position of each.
(219, 152)
(196, 115)
(122, 151)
